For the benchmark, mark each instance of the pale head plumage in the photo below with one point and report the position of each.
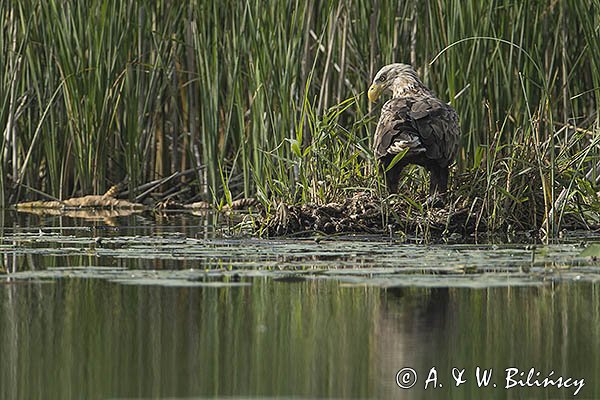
(397, 79)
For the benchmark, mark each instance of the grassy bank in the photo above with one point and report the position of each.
(266, 100)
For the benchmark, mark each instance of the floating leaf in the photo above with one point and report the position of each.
(593, 250)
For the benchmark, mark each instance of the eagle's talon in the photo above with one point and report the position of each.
(436, 200)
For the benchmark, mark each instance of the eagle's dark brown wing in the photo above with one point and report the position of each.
(422, 124)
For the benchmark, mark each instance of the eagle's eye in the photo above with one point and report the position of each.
(381, 78)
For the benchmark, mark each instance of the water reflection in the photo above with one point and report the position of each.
(545, 328)
(205, 224)
(77, 338)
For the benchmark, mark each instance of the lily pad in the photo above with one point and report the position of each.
(593, 250)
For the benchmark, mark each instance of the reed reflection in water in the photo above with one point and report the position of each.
(80, 338)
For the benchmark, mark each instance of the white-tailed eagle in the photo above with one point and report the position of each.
(414, 122)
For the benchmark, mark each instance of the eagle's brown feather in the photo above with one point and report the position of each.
(417, 122)
(425, 120)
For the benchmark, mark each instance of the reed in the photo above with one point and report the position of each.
(267, 100)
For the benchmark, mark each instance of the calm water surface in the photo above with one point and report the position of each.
(171, 311)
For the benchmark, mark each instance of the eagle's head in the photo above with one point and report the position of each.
(394, 78)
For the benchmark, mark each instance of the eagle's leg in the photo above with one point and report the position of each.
(392, 178)
(438, 185)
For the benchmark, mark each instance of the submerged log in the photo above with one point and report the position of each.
(90, 201)
(240, 204)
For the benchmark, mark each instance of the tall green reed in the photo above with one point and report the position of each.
(266, 99)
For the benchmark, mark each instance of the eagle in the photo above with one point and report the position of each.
(415, 123)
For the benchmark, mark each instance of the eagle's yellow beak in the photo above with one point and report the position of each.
(374, 92)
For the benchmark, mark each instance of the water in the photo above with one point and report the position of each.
(174, 311)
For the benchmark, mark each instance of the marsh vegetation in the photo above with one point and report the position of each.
(235, 99)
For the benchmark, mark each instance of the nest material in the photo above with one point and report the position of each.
(366, 213)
